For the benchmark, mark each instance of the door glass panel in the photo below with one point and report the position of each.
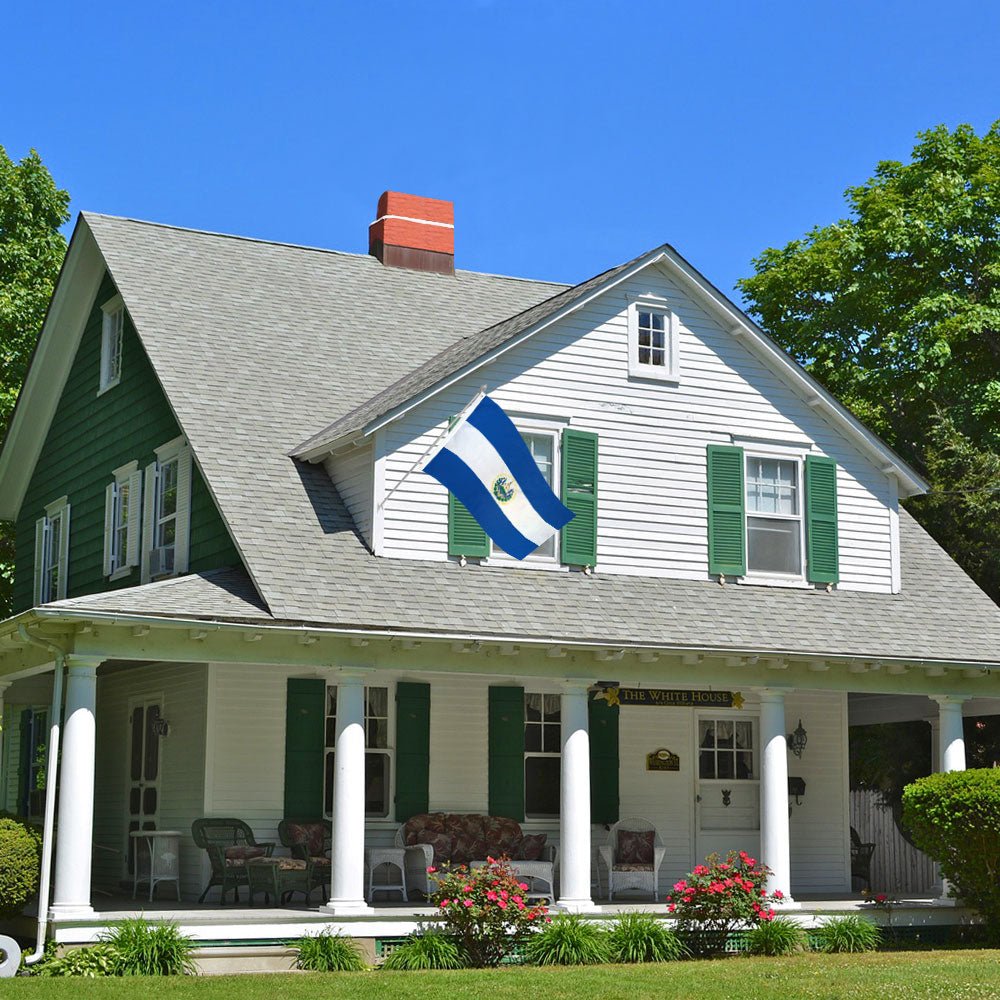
(152, 762)
(134, 799)
(149, 801)
(136, 762)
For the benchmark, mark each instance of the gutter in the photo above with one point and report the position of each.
(51, 771)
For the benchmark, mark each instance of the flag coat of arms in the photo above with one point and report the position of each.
(484, 461)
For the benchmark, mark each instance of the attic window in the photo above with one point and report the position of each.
(652, 340)
(112, 334)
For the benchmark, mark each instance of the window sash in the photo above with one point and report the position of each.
(165, 535)
(542, 742)
(51, 568)
(378, 753)
(774, 522)
(120, 525)
(727, 749)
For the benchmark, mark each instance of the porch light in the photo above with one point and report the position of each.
(797, 740)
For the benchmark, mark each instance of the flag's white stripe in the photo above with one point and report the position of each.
(476, 450)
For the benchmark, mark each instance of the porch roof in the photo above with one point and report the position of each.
(939, 615)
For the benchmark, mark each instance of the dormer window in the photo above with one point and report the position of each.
(652, 340)
(112, 334)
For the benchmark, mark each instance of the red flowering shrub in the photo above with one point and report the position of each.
(718, 897)
(484, 909)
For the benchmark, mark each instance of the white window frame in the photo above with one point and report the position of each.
(387, 751)
(112, 342)
(540, 753)
(46, 559)
(175, 450)
(537, 427)
(668, 372)
(119, 561)
(759, 577)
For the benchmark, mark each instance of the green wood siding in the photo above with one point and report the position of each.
(726, 511)
(603, 732)
(506, 752)
(413, 749)
(305, 741)
(578, 540)
(822, 563)
(91, 435)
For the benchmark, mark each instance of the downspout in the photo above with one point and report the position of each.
(51, 773)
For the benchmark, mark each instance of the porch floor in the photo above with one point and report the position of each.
(213, 925)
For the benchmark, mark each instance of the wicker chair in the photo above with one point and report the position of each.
(230, 845)
(624, 872)
(309, 840)
(861, 859)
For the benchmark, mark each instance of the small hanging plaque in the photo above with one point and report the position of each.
(662, 760)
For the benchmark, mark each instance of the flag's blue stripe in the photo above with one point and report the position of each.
(499, 430)
(451, 471)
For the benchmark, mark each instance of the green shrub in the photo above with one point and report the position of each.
(147, 948)
(851, 933)
(429, 949)
(20, 864)
(641, 937)
(780, 936)
(954, 817)
(329, 953)
(98, 960)
(568, 940)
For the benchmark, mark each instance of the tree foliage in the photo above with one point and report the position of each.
(32, 208)
(896, 310)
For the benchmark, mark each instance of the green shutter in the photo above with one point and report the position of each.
(413, 749)
(727, 552)
(465, 536)
(578, 540)
(506, 752)
(603, 726)
(24, 764)
(305, 743)
(822, 562)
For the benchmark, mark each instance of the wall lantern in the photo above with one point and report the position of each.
(797, 740)
(160, 727)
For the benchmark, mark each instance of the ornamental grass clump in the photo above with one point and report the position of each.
(428, 949)
(641, 937)
(148, 948)
(568, 940)
(777, 937)
(718, 897)
(847, 934)
(326, 952)
(484, 910)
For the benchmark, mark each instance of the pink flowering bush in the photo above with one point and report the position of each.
(719, 896)
(485, 909)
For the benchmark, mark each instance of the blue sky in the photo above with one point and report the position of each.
(570, 136)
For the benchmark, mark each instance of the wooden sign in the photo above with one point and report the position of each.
(671, 699)
(662, 760)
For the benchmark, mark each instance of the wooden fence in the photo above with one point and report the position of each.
(897, 866)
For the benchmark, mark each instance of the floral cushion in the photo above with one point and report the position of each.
(635, 847)
(285, 864)
(423, 822)
(467, 848)
(237, 857)
(464, 837)
(320, 862)
(440, 842)
(311, 835)
(633, 867)
(530, 848)
(503, 836)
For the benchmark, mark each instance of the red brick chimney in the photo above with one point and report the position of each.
(414, 232)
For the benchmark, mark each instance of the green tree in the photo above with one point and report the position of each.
(896, 310)
(32, 248)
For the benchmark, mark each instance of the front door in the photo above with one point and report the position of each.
(728, 785)
(144, 771)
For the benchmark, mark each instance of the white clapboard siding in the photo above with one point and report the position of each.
(352, 474)
(898, 868)
(182, 766)
(652, 489)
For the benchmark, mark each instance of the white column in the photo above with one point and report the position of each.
(949, 755)
(74, 841)
(774, 849)
(574, 807)
(347, 894)
(951, 737)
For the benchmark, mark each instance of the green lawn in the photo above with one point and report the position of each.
(956, 975)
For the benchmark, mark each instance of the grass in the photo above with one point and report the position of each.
(931, 975)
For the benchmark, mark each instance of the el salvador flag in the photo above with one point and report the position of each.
(484, 461)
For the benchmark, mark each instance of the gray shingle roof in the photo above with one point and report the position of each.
(255, 343)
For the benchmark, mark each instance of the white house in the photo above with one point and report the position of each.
(221, 538)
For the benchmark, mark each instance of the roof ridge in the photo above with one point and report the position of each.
(304, 246)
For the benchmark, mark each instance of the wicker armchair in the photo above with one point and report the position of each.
(230, 845)
(861, 859)
(309, 840)
(632, 862)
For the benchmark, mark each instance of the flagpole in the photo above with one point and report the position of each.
(436, 444)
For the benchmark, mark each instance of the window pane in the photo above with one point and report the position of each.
(706, 733)
(331, 700)
(773, 546)
(541, 786)
(331, 732)
(149, 801)
(532, 737)
(553, 707)
(377, 733)
(551, 737)
(376, 784)
(377, 701)
(744, 735)
(771, 486)
(706, 764)
(533, 707)
(328, 785)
